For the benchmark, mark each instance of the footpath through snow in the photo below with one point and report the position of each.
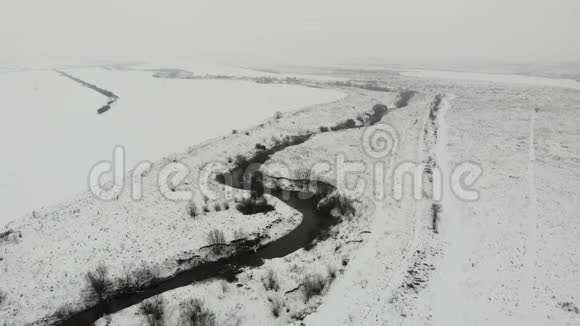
(507, 258)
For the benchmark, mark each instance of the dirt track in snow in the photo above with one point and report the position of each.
(528, 287)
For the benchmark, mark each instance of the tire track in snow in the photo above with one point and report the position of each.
(527, 291)
(447, 300)
(444, 294)
(398, 274)
(375, 302)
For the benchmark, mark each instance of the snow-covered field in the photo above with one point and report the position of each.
(508, 258)
(495, 78)
(51, 135)
(99, 232)
(48, 120)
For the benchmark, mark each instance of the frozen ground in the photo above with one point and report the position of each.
(48, 121)
(496, 78)
(247, 301)
(508, 258)
(54, 118)
(66, 241)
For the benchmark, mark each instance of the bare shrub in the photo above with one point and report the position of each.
(153, 309)
(292, 80)
(313, 284)
(216, 238)
(217, 207)
(265, 80)
(5, 235)
(192, 209)
(240, 160)
(404, 97)
(226, 206)
(569, 307)
(345, 260)
(10, 236)
(278, 115)
(331, 269)
(435, 210)
(285, 141)
(257, 185)
(235, 131)
(205, 209)
(337, 204)
(276, 305)
(380, 108)
(253, 205)
(224, 286)
(260, 147)
(270, 281)
(100, 287)
(350, 123)
(98, 283)
(135, 279)
(277, 141)
(63, 313)
(194, 313)
(2, 297)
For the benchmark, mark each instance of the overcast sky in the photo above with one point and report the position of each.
(289, 32)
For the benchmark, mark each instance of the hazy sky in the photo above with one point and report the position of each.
(289, 32)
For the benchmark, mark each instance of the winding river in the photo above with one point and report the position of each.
(314, 225)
